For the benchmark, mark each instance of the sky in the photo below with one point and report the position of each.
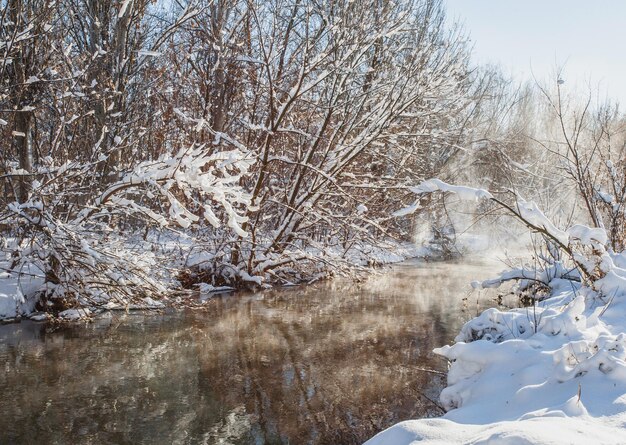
(529, 38)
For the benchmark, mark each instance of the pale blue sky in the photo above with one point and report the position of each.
(589, 37)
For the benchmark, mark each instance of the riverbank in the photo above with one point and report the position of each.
(550, 374)
(20, 291)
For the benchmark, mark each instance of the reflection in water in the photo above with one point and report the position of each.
(332, 363)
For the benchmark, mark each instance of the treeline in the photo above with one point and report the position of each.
(273, 139)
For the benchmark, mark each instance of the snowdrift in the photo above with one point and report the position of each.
(551, 373)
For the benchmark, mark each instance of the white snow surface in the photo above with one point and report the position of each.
(555, 429)
(14, 292)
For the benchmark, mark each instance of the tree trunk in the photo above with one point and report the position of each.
(24, 144)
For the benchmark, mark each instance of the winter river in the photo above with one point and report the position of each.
(331, 363)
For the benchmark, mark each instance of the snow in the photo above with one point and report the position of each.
(554, 372)
(74, 314)
(531, 213)
(587, 235)
(206, 290)
(14, 293)
(149, 53)
(153, 304)
(39, 316)
(409, 210)
(123, 8)
(245, 276)
(551, 276)
(465, 193)
(548, 429)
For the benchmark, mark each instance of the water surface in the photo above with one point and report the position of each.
(331, 363)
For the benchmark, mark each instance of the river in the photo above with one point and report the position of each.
(329, 363)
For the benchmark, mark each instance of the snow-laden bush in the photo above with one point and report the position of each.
(82, 249)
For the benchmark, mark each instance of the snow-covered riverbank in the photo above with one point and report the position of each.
(20, 290)
(551, 373)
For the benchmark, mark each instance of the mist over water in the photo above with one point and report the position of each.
(334, 362)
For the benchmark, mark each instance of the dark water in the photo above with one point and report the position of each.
(332, 363)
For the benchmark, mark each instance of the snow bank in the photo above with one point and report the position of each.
(548, 430)
(19, 294)
(15, 294)
(552, 373)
